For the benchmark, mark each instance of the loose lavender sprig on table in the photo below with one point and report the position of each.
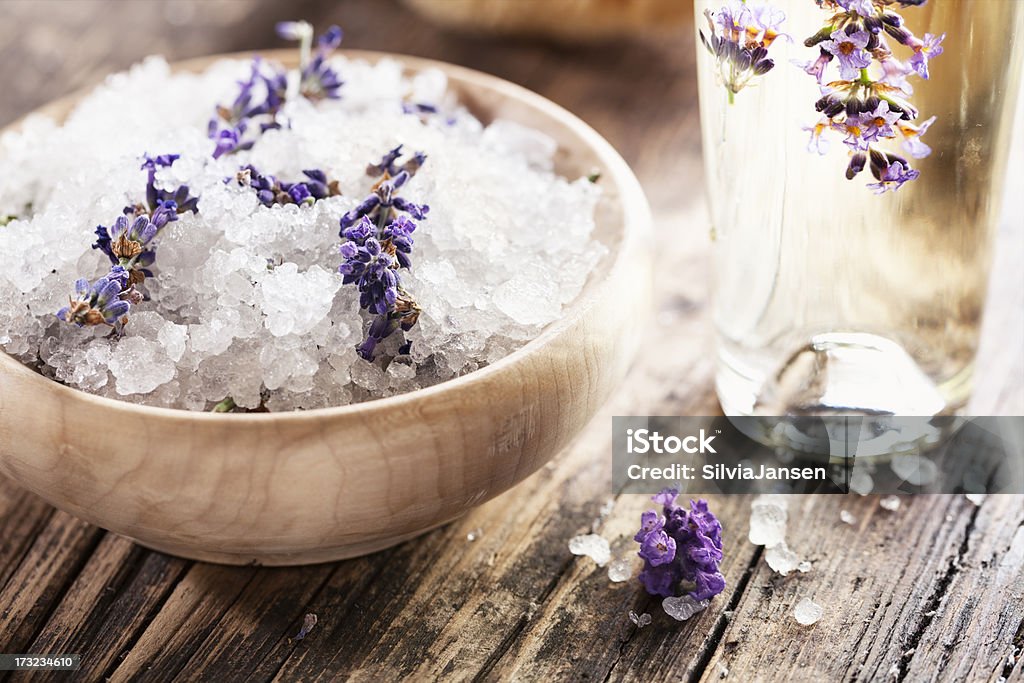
(681, 547)
(260, 97)
(870, 108)
(271, 191)
(378, 241)
(129, 243)
(740, 34)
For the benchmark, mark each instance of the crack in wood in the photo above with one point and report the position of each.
(934, 600)
(150, 615)
(1017, 654)
(718, 630)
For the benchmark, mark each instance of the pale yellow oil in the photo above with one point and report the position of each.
(829, 298)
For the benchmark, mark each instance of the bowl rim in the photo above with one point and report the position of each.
(635, 216)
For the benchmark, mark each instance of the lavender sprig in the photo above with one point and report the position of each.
(680, 549)
(317, 80)
(869, 104)
(271, 191)
(130, 244)
(378, 243)
(740, 34)
(261, 96)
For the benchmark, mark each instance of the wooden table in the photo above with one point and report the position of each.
(932, 590)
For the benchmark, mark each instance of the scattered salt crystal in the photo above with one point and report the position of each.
(683, 607)
(722, 669)
(804, 567)
(846, 517)
(890, 503)
(807, 612)
(640, 620)
(861, 482)
(593, 546)
(768, 518)
(781, 559)
(620, 570)
(474, 534)
(914, 469)
(976, 498)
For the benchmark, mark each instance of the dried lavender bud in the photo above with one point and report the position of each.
(680, 546)
(271, 191)
(378, 242)
(308, 623)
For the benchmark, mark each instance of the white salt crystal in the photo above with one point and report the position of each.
(473, 535)
(914, 469)
(593, 546)
(140, 366)
(890, 503)
(528, 301)
(846, 517)
(976, 498)
(861, 482)
(683, 607)
(781, 559)
(768, 518)
(640, 620)
(620, 570)
(807, 612)
(804, 567)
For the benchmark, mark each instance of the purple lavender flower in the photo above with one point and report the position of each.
(925, 49)
(271, 191)
(817, 142)
(878, 123)
(319, 80)
(650, 522)
(894, 74)
(912, 137)
(658, 548)
(865, 8)
(99, 303)
(817, 66)
(260, 97)
(848, 48)
(739, 37)
(867, 105)
(156, 197)
(377, 243)
(684, 546)
(893, 176)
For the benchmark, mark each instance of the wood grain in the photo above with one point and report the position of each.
(514, 603)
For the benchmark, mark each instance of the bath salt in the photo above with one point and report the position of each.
(683, 607)
(246, 301)
(768, 518)
(890, 503)
(620, 570)
(807, 612)
(781, 559)
(593, 546)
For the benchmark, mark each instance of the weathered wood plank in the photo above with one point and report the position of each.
(37, 585)
(117, 592)
(185, 620)
(977, 631)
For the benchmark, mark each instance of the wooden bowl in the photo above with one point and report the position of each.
(322, 485)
